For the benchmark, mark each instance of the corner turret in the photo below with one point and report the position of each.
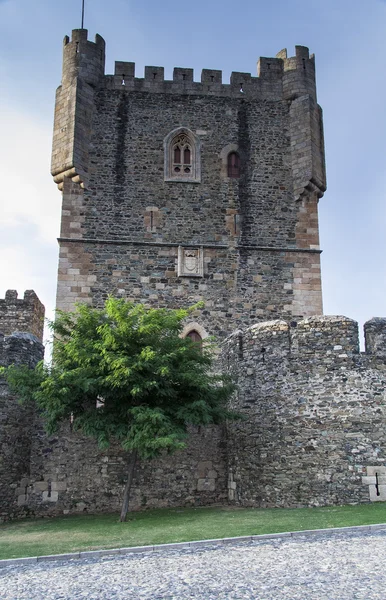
(83, 70)
(307, 141)
(82, 58)
(299, 73)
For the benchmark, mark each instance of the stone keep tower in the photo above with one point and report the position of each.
(179, 191)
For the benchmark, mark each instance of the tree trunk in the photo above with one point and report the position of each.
(126, 492)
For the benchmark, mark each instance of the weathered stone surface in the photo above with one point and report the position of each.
(21, 315)
(16, 420)
(123, 222)
(315, 415)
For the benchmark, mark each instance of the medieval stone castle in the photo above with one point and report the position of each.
(179, 191)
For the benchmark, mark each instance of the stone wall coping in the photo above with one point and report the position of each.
(24, 335)
(326, 320)
(276, 325)
(376, 321)
(319, 334)
(191, 545)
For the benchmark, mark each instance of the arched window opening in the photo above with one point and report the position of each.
(182, 156)
(233, 165)
(195, 337)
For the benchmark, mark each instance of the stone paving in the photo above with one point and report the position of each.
(342, 566)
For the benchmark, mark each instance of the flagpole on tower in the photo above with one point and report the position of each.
(82, 14)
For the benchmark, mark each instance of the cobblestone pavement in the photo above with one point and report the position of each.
(335, 567)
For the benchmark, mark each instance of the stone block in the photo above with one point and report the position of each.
(173, 546)
(59, 486)
(66, 556)
(96, 553)
(374, 491)
(52, 497)
(135, 549)
(40, 486)
(373, 470)
(367, 480)
(206, 485)
(14, 562)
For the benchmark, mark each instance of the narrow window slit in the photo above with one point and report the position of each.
(241, 348)
(233, 165)
(377, 484)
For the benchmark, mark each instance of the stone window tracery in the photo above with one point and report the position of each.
(182, 156)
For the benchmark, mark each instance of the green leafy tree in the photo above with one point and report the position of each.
(124, 373)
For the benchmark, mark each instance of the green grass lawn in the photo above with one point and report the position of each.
(90, 532)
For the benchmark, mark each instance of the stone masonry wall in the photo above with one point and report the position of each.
(315, 428)
(69, 474)
(16, 427)
(258, 234)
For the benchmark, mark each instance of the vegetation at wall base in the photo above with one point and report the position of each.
(124, 372)
(37, 537)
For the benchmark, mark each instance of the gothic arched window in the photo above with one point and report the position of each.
(233, 165)
(182, 156)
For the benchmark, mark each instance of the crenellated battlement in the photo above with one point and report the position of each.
(320, 338)
(21, 314)
(276, 78)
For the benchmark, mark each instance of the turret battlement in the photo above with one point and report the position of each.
(83, 58)
(21, 314)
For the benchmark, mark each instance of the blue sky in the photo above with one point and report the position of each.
(349, 40)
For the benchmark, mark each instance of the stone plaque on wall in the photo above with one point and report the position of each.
(190, 262)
